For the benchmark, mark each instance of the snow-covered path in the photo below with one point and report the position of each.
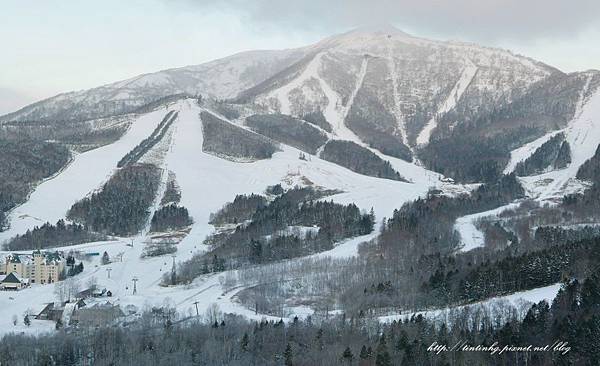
(470, 236)
(583, 136)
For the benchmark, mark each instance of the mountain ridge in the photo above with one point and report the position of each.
(174, 79)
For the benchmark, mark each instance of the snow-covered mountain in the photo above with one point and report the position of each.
(223, 78)
(376, 117)
(409, 80)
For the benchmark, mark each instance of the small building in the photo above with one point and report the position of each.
(12, 281)
(56, 310)
(90, 292)
(98, 315)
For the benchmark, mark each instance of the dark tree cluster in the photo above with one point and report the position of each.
(590, 170)
(148, 143)
(121, 206)
(241, 209)
(51, 236)
(317, 118)
(572, 317)
(288, 130)
(553, 153)
(78, 135)
(226, 110)
(376, 125)
(22, 165)
(359, 159)
(425, 226)
(170, 217)
(225, 139)
(469, 158)
(172, 192)
(270, 235)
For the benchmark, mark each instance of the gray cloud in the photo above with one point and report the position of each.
(482, 20)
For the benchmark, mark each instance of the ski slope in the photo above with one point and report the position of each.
(524, 152)
(207, 183)
(52, 198)
(470, 236)
(583, 135)
(397, 111)
(456, 93)
(496, 307)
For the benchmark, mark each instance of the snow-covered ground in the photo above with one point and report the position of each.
(207, 183)
(454, 96)
(396, 111)
(583, 135)
(495, 306)
(51, 199)
(470, 236)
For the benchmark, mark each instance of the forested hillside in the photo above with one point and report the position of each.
(166, 336)
(223, 138)
(359, 159)
(121, 206)
(288, 130)
(24, 163)
(294, 224)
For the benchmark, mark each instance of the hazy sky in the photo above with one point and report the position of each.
(55, 46)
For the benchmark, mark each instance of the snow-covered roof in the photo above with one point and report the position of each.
(50, 258)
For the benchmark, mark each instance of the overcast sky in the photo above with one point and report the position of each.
(50, 47)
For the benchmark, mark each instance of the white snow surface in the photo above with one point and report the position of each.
(453, 97)
(206, 182)
(52, 198)
(494, 306)
(524, 152)
(583, 135)
(470, 236)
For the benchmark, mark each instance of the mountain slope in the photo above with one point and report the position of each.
(223, 78)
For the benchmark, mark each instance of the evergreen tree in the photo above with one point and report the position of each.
(244, 344)
(363, 355)
(383, 356)
(105, 258)
(288, 355)
(347, 356)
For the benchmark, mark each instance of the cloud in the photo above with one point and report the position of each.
(482, 20)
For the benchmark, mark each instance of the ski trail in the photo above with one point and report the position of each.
(465, 79)
(334, 111)
(470, 236)
(359, 82)
(583, 135)
(282, 94)
(397, 102)
(522, 153)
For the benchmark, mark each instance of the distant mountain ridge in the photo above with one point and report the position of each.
(378, 87)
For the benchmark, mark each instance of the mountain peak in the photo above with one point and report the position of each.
(384, 29)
